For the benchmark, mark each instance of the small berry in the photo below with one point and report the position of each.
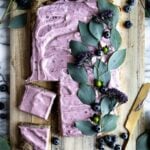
(131, 2)
(101, 146)
(98, 83)
(105, 49)
(2, 106)
(107, 139)
(111, 144)
(117, 147)
(97, 128)
(55, 141)
(98, 52)
(124, 136)
(3, 88)
(3, 116)
(24, 4)
(106, 34)
(127, 8)
(96, 119)
(114, 138)
(101, 141)
(103, 90)
(96, 107)
(127, 24)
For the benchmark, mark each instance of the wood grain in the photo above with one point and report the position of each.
(131, 77)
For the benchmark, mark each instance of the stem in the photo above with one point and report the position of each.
(7, 10)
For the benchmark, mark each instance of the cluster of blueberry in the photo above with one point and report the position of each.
(127, 9)
(110, 141)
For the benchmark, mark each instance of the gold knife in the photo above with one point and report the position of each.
(136, 111)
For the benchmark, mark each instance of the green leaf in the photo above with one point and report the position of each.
(143, 141)
(115, 39)
(99, 68)
(116, 59)
(85, 127)
(18, 21)
(107, 105)
(4, 144)
(106, 5)
(105, 77)
(96, 29)
(78, 74)
(86, 94)
(86, 36)
(109, 123)
(77, 47)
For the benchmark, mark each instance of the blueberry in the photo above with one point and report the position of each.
(55, 141)
(101, 141)
(114, 138)
(106, 34)
(98, 52)
(131, 2)
(107, 139)
(2, 106)
(3, 88)
(124, 136)
(97, 128)
(117, 147)
(24, 4)
(127, 8)
(101, 146)
(111, 144)
(4, 116)
(103, 90)
(96, 107)
(128, 24)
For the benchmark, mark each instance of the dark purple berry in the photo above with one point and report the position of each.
(3, 116)
(107, 139)
(98, 52)
(106, 34)
(131, 2)
(111, 144)
(127, 8)
(124, 136)
(101, 141)
(114, 138)
(96, 107)
(2, 106)
(117, 147)
(128, 24)
(97, 128)
(3, 88)
(24, 4)
(55, 141)
(100, 146)
(103, 90)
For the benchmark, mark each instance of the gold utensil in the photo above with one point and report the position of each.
(136, 111)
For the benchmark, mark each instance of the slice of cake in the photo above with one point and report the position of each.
(35, 137)
(37, 101)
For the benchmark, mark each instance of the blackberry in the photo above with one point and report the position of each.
(128, 24)
(117, 147)
(96, 107)
(114, 93)
(127, 8)
(24, 4)
(97, 128)
(55, 141)
(124, 136)
(106, 34)
(2, 106)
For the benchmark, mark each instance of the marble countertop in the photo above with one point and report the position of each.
(4, 69)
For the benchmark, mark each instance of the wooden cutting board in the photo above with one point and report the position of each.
(131, 77)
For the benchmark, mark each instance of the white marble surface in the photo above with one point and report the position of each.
(4, 67)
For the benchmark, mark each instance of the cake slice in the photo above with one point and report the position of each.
(35, 137)
(37, 101)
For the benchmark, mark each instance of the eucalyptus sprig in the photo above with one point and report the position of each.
(20, 20)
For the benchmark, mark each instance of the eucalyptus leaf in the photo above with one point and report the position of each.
(77, 47)
(105, 77)
(115, 39)
(4, 144)
(116, 59)
(107, 105)
(99, 68)
(86, 36)
(106, 5)
(86, 94)
(109, 123)
(96, 29)
(78, 74)
(86, 127)
(18, 21)
(143, 141)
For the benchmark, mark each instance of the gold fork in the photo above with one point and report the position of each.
(135, 112)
